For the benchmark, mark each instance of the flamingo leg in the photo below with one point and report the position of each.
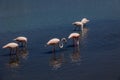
(53, 49)
(54, 56)
(22, 44)
(16, 50)
(82, 27)
(74, 42)
(74, 28)
(77, 42)
(10, 51)
(25, 44)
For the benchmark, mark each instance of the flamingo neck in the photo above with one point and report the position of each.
(61, 44)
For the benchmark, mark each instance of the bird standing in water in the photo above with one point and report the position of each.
(56, 42)
(80, 23)
(12, 46)
(22, 41)
(75, 37)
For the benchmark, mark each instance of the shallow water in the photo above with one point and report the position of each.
(97, 57)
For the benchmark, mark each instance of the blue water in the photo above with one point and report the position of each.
(97, 57)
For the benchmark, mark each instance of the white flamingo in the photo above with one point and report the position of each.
(22, 41)
(12, 46)
(55, 41)
(81, 23)
(75, 37)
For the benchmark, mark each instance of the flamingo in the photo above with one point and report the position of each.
(85, 20)
(21, 40)
(81, 23)
(75, 36)
(55, 41)
(12, 46)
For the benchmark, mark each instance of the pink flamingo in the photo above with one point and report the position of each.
(55, 41)
(81, 23)
(21, 40)
(75, 37)
(12, 46)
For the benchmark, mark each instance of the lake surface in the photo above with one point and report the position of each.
(97, 57)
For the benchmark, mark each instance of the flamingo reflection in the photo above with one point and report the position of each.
(14, 61)
(84, 35)
(56, 61)
(75, 56)
(84, 32)
(23, 52)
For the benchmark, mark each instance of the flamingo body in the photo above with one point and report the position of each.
(56, 41)
(21, 39)
(74, 35)
(11, 45)
(53, 41)
(81, 23)
(85, 20)
(77, 23)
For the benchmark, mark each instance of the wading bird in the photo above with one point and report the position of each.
(80, 23)
(22, 41)
(56, 42)
(12, 46)
(75, 37)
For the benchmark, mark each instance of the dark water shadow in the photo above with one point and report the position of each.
(5, 55)
(69, 46)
